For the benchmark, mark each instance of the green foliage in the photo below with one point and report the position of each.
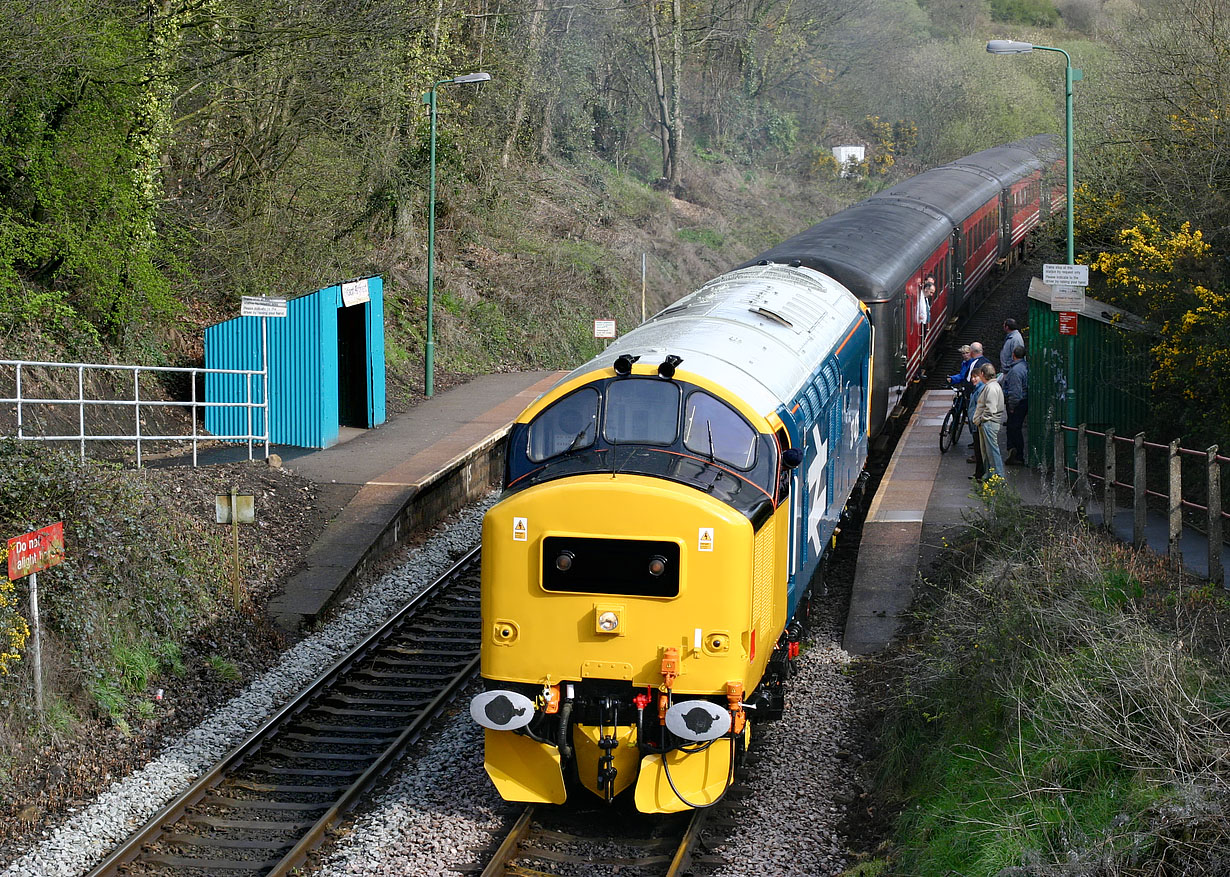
(1034, 13)
(140, 572)
(704, 236)
(108, 697)
(1047, 708)
(224, 669)
(136, 665)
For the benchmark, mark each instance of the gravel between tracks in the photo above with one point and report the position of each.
(441, 812)
(82, 840)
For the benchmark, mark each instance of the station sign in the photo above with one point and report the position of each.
(1068, 298)
(1067, 323)
(604, 328)
(260, 306)
(1065, 275)
(355, 292)
(38, 550)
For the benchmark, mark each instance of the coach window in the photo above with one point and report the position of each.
(642, 411)
(713, 429)
(569, 425)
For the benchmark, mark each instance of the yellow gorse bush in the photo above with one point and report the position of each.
(14, 631)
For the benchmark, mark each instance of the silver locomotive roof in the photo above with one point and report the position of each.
(760, 332)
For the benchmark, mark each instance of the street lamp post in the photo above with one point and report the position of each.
(430, 99)
(1071, 75)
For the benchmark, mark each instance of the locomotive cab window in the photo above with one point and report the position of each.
(569, 425)
(713, 429)
(642, 411)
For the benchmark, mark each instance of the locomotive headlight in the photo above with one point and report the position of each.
(657, 565)
(609, 618)
(563, 562)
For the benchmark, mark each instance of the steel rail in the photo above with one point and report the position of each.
(527, 828)
(153, 829)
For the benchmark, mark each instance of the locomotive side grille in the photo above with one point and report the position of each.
(762, 581)
(624, 567)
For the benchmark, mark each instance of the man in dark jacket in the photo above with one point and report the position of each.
(1015, 382)
(1012, 340)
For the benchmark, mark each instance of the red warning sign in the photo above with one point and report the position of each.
(1067, 323)
(36, 551)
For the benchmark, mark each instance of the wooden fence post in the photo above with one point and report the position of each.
(1175, 510)
(1108, 482)
(1217, 573)
(1083, 491)
(1060, 472)
(1139, 499)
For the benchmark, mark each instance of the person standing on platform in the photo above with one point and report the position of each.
(1011, 343)
(1015, 383)
(976, 362)
(961, 378)
(989, 415)
(975, 379)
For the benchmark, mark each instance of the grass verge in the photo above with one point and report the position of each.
(1063, 707)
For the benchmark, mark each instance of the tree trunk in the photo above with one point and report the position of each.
(676, 127)
(530, 76)
(659, 83)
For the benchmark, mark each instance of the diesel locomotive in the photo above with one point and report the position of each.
(646, 574)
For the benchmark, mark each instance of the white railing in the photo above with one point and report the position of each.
(26, 406)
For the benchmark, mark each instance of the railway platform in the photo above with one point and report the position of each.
(384, 482)
(923, 495)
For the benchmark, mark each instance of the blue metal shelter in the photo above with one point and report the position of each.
(326, 367)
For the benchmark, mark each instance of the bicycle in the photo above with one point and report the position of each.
(956, 419)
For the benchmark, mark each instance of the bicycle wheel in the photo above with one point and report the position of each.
(948, 431)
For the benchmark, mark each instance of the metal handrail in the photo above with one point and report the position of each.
(24, 402)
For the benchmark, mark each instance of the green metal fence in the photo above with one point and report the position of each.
(1110, 370)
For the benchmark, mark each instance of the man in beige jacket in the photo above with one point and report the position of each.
(989, 414)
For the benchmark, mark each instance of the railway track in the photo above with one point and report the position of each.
(599, 842)
(262, 808)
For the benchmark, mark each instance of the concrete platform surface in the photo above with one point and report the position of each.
(922, 496)
(376, 476)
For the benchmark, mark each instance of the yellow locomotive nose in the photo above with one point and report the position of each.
(603, 588)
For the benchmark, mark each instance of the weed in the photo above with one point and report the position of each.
(704, 236)
(58, 717)
(108, 696)
(137, 665)
(146, 710)
(224, 669)
(171, 656)
(1059, 728)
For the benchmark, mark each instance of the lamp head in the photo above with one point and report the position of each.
(667, 367)
(472, 77)
(1008, 47)
(623, 364)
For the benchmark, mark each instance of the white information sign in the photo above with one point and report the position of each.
(355, 292)
(255, 306)
(1065, 275)
(1068, 298)
(604, 328)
